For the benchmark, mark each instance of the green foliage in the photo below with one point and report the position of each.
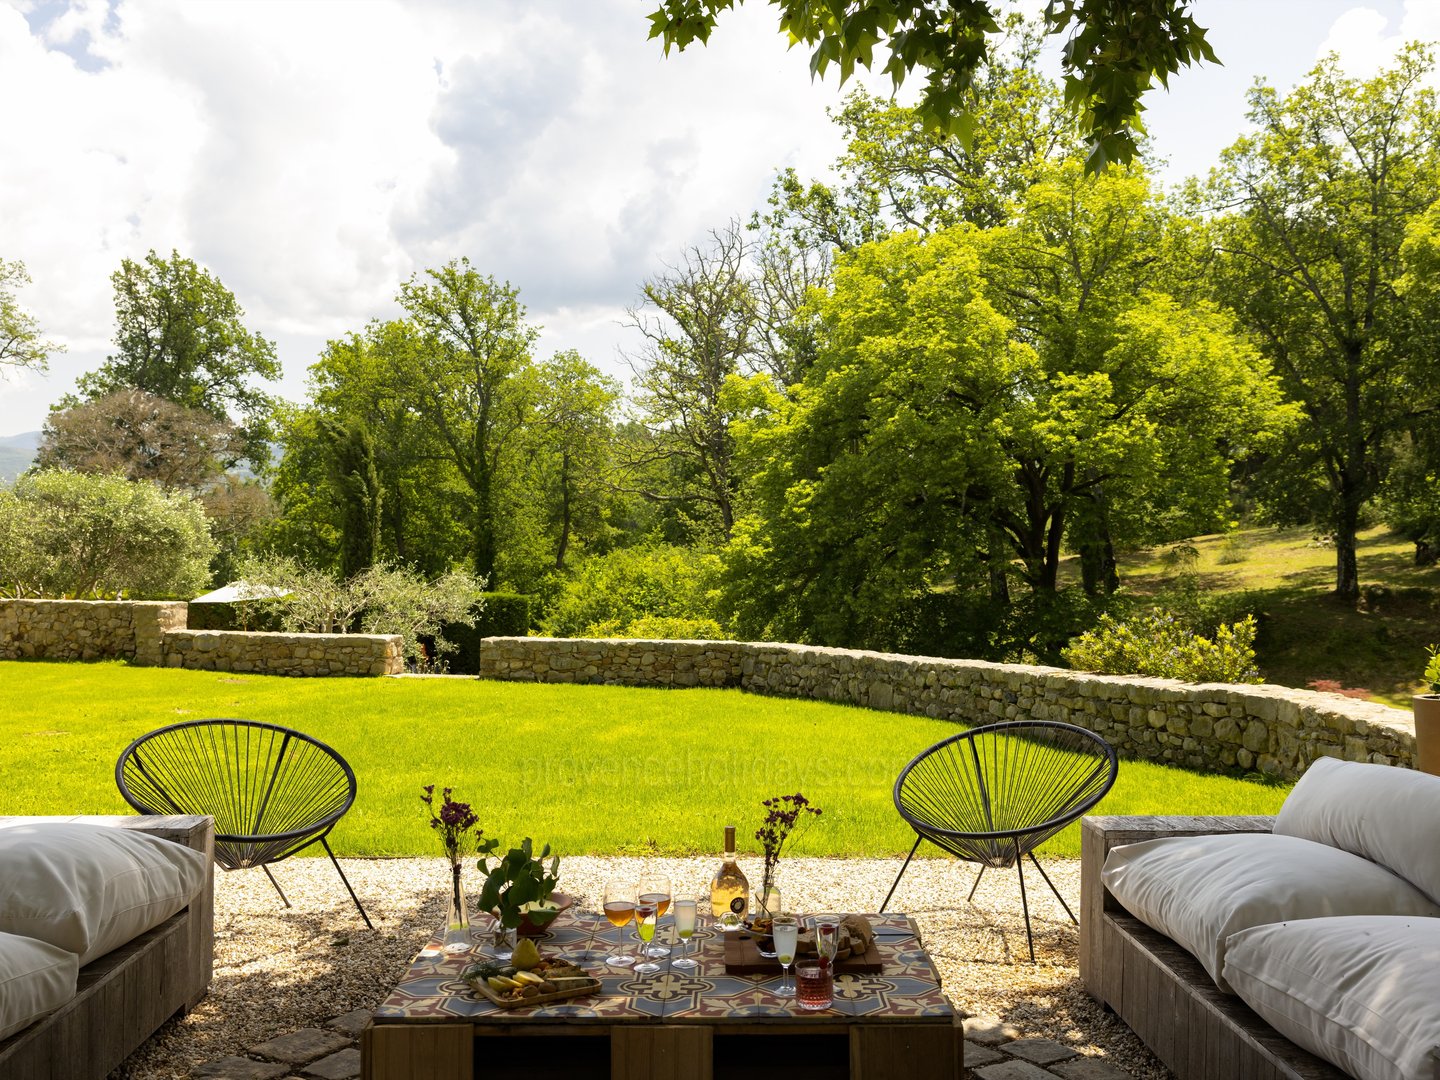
(68, 534)
(379, 600)
(1115, 52)
(608, 593)
(1031, 629)
(1431, 677)
(504, 615)
(518, 878)
(21, 345)
(658, 628)
(1160, 644)
(179, 335)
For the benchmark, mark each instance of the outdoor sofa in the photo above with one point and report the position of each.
(125, 993)
(1304, 946)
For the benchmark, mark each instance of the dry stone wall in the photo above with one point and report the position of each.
(1273, 730)
(154, 634)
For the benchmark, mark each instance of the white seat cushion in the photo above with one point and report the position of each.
(1379, 812)
(1198, 890)
(89, 889)
(35, 978)
(1362, 992)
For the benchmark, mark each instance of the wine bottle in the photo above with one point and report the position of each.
(730, 889)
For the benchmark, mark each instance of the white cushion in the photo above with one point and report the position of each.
(1198, 890)
(1379, 812)
(1362, 992)
(89, 889)
(35, 978)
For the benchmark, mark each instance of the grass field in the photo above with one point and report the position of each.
(1375, 650)
(591, 769)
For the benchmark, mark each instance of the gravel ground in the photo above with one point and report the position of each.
(277, 970)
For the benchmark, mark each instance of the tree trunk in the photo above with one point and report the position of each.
(1347, 573)
(564, 510)
(999, 567)
(483, 551)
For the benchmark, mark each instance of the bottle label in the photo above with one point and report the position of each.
(737, 905)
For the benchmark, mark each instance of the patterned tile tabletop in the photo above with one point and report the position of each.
(908, 989)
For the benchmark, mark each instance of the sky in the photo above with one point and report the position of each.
(313, 154)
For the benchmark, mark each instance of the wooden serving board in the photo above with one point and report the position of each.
(742, 957)
(481, 987)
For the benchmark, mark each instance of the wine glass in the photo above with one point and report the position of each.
(827, 938)
(786, 932)
(655, 890)
(619, 909)
(685, 927)
(646, 915)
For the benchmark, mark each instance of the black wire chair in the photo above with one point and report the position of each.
(271, 790)
(993, 794)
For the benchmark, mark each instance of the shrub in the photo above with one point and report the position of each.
(65, 533)
(659, 628)
(616, 589)
(1160, 644)
(501, 615)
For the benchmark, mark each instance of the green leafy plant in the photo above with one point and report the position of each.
(1159, 643)
(517, 880)
(1432, 671)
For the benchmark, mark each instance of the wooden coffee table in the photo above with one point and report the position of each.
(672, 1025)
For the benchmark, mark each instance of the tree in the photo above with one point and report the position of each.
(65, 533)
(21, 345)
(704, 330)
(356, 478)
(179, 335)
(142, 437)
(469, 374)
(1116, 50)
(1318, 204)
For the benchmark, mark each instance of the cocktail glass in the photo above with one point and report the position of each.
(786, 931)
(685, 927)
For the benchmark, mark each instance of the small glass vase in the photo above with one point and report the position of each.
(503, 943)
(457, 919)
(769, 903)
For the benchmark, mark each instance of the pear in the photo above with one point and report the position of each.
(526, 955)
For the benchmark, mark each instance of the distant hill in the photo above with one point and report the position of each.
(17, 453)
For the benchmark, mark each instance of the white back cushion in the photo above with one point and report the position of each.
(1388, 815)
(1361, 992)
(1198, 890)
(89, 889)
(35, 978)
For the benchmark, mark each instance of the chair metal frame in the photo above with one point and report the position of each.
(144, 775)
(1002, 846)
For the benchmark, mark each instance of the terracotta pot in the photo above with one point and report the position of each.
(1427, 732)
(528, 929)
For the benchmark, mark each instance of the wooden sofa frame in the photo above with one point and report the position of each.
(127, 994)
(1160, 990)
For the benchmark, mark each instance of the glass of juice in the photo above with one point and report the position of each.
(619, 909)
(814, 989)
(646, 915)
(685, 927)
(786, 932)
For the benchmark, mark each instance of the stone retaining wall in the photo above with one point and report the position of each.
(154, 634)
(1270, 729)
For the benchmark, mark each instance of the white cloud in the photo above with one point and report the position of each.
(1366, 39)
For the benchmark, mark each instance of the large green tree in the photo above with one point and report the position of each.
(1316, 206)
(21, 344)
(180, 334)
(1115, 52)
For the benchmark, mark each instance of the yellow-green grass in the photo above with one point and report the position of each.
(591, 769)
(1374, 650)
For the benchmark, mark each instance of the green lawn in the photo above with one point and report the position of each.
(592, 769)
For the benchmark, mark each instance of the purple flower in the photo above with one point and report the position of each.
(454, 822)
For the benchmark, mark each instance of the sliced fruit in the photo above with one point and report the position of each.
(528, 977)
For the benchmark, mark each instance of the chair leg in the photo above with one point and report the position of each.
(1053, 889)
(346, 880)
(976, 885)
(1025, 906)
(271, 876)
(901, 874)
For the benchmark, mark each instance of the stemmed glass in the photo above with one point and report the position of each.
(655, 890)
(685, 927)
(619, 909)
(786, 932)
(646, 915)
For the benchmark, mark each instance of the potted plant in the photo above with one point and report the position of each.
(1427, 717)
(520, 889)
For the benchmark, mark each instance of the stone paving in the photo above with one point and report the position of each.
(994, 1050)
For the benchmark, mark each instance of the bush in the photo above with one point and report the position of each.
(501, 615)
(617, 589)
(68, 534)
(659, 628)
(1160, 644)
